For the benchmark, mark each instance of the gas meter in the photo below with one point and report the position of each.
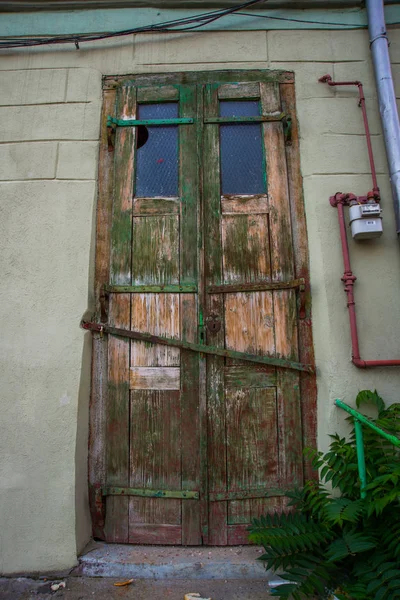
(365, 221)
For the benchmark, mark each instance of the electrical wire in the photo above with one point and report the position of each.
(174, 26)
(352, 25)
(177, 25)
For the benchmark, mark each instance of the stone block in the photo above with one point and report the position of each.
(354, 71)
(80, 121)
(77, 160)
(396, 79)
(202, 47)
(109, 57)
(336, 115)
(28, 160)
(317, 46)
(38, 86)
(340, 154)
(83, 85)
(394, 44)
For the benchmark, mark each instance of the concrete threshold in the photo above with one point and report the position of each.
(173, 562)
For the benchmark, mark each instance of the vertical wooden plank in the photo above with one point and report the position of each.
(189, 186)
(98, 397)
(121, 234)
(191, 516)
(189, 192)
(299, 230)
(203, 424)
(215, 365)
(119, 316)
(118, 420)
(280, 227)
(289, 408)
(282, 268)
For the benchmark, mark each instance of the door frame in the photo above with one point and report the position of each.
(99, 387)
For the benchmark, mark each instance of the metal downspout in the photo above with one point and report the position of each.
(386, 96)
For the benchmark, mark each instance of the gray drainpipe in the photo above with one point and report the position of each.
(386, 96)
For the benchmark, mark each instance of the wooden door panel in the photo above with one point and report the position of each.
(245, 248)
(158, 314)
(178, 420)
(155, 456)
(258, 432)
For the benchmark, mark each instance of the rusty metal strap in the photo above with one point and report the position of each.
(148, 493)
(155, 339)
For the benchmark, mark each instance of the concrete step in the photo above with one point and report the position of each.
(173, 562)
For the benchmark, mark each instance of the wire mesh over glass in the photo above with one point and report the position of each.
(242, 161)
(157, 159)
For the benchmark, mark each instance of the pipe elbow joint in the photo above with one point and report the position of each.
(360, 364)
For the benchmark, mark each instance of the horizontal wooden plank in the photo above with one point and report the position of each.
(230, 91)
(230, 288)
(155, 534)
(155, 206)
(249, 377)
(267, 118)
(202, 77)
(155, 378)
(257, 204)
(152, 289)
(157, 93)
(245, 495)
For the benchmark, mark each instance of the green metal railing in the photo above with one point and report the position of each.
(359, 421)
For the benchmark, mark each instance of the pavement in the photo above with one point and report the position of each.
(102, 588)
(157, 573)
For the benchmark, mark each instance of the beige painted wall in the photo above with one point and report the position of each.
(50, 101)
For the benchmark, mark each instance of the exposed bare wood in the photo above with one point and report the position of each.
(252, 443)
(157, 314)
(230, 91)
(155, 378)
(249, 319)
(245, 204)
(155, 456)
(157, 93)
(249, 377)
(155, 206)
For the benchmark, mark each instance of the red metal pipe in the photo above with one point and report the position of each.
(328, 79)
(348, 279)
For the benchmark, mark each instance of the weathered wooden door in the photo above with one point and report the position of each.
(206, 432)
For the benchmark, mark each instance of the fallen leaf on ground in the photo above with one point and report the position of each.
(121, 583)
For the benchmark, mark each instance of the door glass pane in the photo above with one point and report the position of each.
(242, 162)
(157, 159)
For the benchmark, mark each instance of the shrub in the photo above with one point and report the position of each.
(339, 543)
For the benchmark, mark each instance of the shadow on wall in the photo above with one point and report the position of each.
(83, 523)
